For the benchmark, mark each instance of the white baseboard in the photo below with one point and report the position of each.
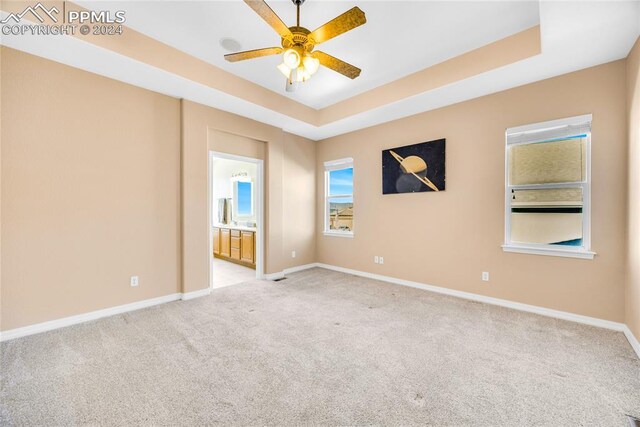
(572, 317)
(300, 268)
(281, 274)
(85, 317)
(98, 314)
(635, 344)
(274, 276)
(195, 294)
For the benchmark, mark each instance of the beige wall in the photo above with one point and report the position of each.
(299, 201)
(1, 310)
(632, 296)
(207, 129)
(447, 239)
(238, 145)
(101, 181)
(286, 167)
(90, 191)
(86, 204)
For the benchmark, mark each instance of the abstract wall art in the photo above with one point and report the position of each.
(414, 168)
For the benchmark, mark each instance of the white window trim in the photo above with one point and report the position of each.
(529, 131)
(332, 165)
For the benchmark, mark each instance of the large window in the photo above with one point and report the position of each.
(338, 192)
(547, 196)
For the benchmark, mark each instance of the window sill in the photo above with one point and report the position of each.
(338, 234)
(549, 251)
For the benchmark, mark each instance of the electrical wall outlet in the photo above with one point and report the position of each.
(381, 260)
(376, 259)
(134, 281)
(293, 254)
(485, 276)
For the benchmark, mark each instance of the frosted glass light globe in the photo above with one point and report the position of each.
(291, 58)
(285, 70)
(311, 64)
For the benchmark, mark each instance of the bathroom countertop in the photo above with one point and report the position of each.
(235, 227)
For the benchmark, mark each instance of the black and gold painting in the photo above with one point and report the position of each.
(414, 168)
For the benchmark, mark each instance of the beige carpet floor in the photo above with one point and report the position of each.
(321, 348)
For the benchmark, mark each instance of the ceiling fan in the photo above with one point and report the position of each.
(300, 61)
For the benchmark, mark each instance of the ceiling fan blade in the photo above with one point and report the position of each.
(250, 54)
(270, 17)
(341, 24)
(337, 65)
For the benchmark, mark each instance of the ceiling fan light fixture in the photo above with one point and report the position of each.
(285, 70)
(290, 86)
(291, 58)
(302, 75)
(311, 64)
(299, 59)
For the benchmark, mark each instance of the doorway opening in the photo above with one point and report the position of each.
(236, 209)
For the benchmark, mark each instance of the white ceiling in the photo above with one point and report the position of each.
(399, 38)
(575, 35)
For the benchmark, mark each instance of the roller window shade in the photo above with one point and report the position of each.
(547, 198)
(547, 162)
(516, 136)
(334, 165)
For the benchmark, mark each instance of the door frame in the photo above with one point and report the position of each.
(259, 186)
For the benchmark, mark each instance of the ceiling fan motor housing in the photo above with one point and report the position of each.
(300, 38)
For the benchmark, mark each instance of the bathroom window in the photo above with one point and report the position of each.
(547, 195)
(338, 190)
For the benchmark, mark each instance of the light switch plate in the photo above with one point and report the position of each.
(134, 281)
